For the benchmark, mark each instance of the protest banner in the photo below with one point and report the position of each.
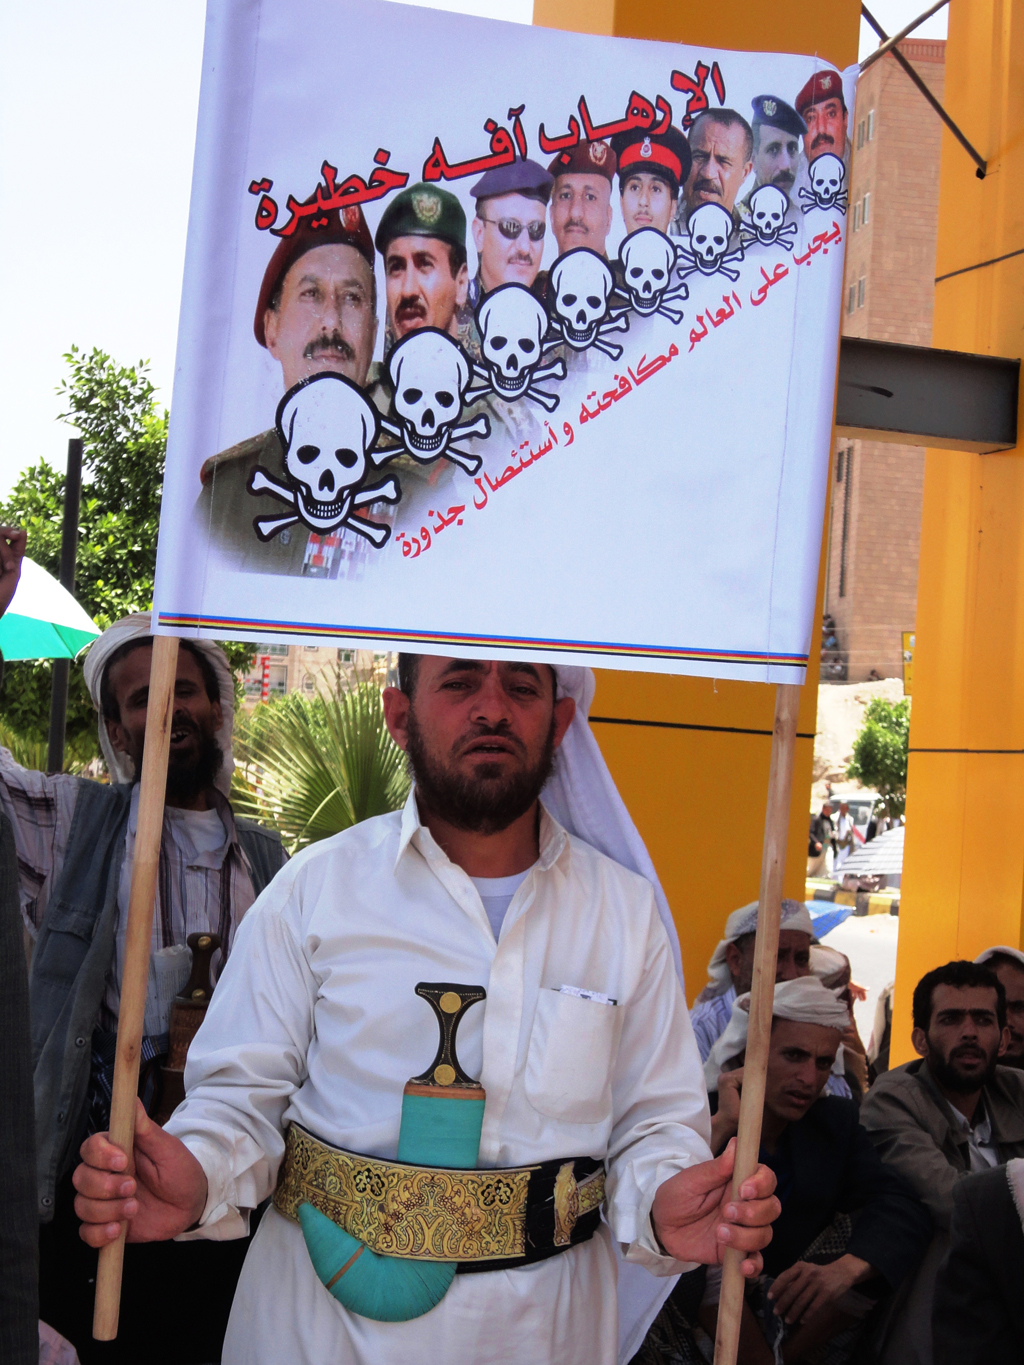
(494, 342)
(605, 439)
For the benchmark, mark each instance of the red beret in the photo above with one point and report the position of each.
(335, 227)
(823, 85)
(585, 158)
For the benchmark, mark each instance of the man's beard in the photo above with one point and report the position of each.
(487, 800)
(948, 1074)
(333, 344)
(188, 777)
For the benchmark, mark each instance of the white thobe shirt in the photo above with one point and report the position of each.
(316, 1020)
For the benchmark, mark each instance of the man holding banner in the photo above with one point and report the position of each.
(584, 1048)
(75, 841)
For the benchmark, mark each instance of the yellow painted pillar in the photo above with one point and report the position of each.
(689, 755)
(963, 872)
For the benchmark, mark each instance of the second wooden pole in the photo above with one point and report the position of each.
(762, 992)
(135, 974)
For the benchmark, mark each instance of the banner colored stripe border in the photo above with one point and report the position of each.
(231, 625)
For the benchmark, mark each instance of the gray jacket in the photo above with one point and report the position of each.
(910, 1124)
(73, 954)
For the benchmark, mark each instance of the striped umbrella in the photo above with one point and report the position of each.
(43, 621)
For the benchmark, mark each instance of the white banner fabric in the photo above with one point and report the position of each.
(575, 404)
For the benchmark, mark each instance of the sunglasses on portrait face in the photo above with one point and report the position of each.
(512, 228)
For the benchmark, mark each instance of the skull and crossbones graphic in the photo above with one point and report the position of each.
(710, 228)
(512, 325)
(328, 429)
(648, 260)
(768, 209)
(827, 174)
(581, 285)
(431, 375)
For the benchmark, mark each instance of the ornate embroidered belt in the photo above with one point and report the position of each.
(483, 1219)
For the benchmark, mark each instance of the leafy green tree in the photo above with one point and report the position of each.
(124, 433)
(313, 766)
(880, 751)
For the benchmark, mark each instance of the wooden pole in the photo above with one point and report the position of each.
(766, 951)
(135, 977)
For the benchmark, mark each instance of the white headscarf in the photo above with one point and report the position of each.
(744, 921)
(804, 1000)
(582, 797)
(137, 627)
(1000, 950)
(829, 965)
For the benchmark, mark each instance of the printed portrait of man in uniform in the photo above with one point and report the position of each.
(316, 313)
(509, 226)
(721, 145)
(422, 244)
(822, 107)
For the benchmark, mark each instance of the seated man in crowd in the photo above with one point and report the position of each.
(979, 1312)
(1008, 965)
(847, 1220)
(731, 970)
(953, 1111)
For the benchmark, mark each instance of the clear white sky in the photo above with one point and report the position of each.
(97, 111)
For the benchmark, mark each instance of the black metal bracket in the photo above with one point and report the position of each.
(890, 45)
(916, 395)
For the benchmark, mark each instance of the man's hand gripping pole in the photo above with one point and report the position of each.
(135, 978)
(766, 951)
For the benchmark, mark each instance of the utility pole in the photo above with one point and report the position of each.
(68, 554)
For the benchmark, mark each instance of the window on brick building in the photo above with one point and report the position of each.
(856, 217)
(851, 298)
(844, 543)
(860, 134)
(839, 465)
(871, 124)
(861, 286)
(865, 209)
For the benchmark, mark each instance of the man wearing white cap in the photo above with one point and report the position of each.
(1008, 965)
(552, 909)
(74, 840)
(731, 971)
(826, 1165)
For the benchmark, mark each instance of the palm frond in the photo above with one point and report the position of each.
(312, 766)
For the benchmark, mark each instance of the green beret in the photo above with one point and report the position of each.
(423, 211)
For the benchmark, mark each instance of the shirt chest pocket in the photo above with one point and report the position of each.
(570, 1057)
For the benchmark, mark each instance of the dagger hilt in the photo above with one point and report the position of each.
(449, 1002)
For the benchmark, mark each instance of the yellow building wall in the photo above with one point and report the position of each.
(963, 873)
(689, 755)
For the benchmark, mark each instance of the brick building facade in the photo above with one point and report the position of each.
(875, 521)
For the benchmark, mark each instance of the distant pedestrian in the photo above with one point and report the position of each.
(819, 844)
(844, 838)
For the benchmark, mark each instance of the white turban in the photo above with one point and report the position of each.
(137, 627)
(744, 921)
(1000, 950)
(829, 965)
(582, 797)
(804, 1000)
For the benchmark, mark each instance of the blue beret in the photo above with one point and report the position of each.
(778, 114)
(521, 177)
